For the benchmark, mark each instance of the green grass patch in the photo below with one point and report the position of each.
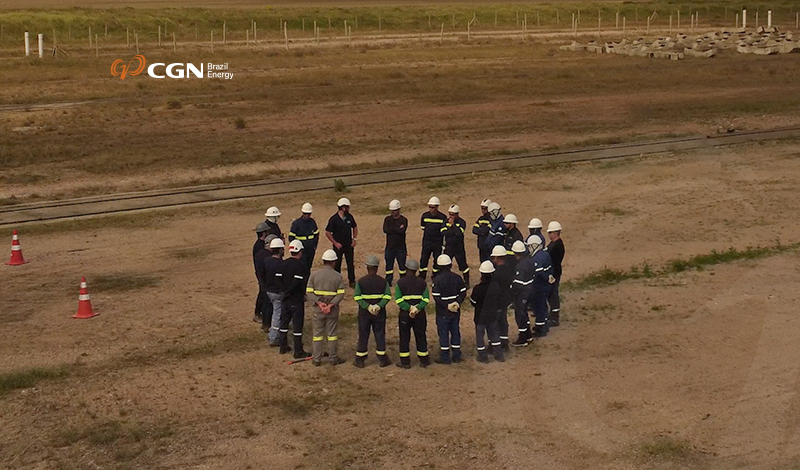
(124, 282)
(121, 221)
(608, 276)
(616, 211)
(668, 448)
(28, 378)
(186, 254)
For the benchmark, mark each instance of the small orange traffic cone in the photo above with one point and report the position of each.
(16, 251)
(84, 304)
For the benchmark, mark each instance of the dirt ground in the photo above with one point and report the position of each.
(690, 370)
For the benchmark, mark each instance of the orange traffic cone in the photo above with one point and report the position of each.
(84, 304)
(16, 251)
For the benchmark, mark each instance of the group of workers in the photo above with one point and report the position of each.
(516, 272)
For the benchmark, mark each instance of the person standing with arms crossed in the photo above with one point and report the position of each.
(556, 251)
(395, 226)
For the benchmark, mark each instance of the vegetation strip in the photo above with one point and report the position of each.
(608, 277)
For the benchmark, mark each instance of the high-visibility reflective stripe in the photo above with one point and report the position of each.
(401, 271)
(389, 272)
(434, 221)
(318, 338)
(380, 353)
(540, 323)
(273, 328)
(462, 229)
(333, 338)
(422, 270)
(422, 353)
(278, 275)
(452, 297)
(309, 289)
(16, 248)
(463, 289)
(509, 252)
(299, 238)
(496, 344)
(455, 346)
(481, 349)
(524, 283)
(484, 222)
(465, 271)
(472, 301)
(556, 309)
(83, 297)
(436, 294)
(297, 334)
(361, 354)
(326, 292)
(444, 349)
(340, 291)
(522, 330)
(408, 354)
(284, 331)
(540, 269)
(504, 337)
(298, 277)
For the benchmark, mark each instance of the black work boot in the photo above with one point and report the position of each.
(466, 280)
(405, 363)
(540, 331)
(483, 356)
(522, 339)
(383, 360)
(456, 355)
(497, 352)
(359, 362)
(283, 342)
(504, 344)
(299, 352)
(424, 361)
(555, 319)
(444, 358)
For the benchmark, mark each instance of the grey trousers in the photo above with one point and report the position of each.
(324, 327)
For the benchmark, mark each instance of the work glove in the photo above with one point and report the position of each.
(413, 311)
(374, 309)
(551, 279)
(453, 307)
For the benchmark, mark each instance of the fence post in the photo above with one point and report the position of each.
(174, 43)
(136, 38)
(212, 42)
(41, 45)
(159, 35)
(224, 33)
(96, 47)
(286, 35)
(27, 44)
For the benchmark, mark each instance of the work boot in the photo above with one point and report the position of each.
(405, 363)
(522, 339)
(257, 318)
(299, 353)
(504, 344)
(335, 361)
(456, 355)
(498, 355)
(466, 280)
(424, 361)
(283, 343)
(359, 362)
(554, 319)
(383, 360)
(483, 356)
(539, 331)
(444, 358)
(316, 363)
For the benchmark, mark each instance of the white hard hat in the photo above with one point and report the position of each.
(394, 205)
(454, 209)
(518, 247)
(486, 202)
(534, 241)
(272, 212)
(510, 219)
(329, 255)
(277, 243)
(372, 261)
(486, 267)
(434, 201)
(295, 246)
(444, 260)
(307, 208)
(535, 223)
(499, 250)
(343, 202)
(493, 206)
(553, 227)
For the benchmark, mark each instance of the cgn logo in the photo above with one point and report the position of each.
(118, 69)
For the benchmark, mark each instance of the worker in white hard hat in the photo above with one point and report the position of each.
(454, 231)
(556, 251)
(505, 269)
(272, 215)
(271, 275)
(521, 289)
(412, 296)
(432, 222)
(292, 308)
(448, 292)
(487, 299)
(325, 291)
(535, 228)
(481, 229)
(395, 226)
(342, 231)
(372, 294)
(512, 232)
(305, 229)
(497, 231)
(543, 281)
(259, 251)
